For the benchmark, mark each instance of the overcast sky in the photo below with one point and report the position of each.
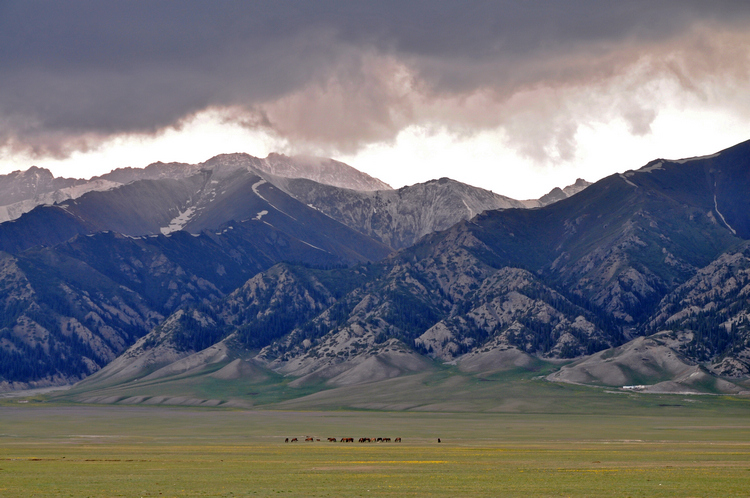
(514, 96)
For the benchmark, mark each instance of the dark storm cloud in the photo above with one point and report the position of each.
(340, 74)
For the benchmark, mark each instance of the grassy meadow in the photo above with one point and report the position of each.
(667, 445)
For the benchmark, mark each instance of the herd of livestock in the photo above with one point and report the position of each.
(347, 440)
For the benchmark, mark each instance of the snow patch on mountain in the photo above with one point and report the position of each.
(255, 191)
(314, 247)
(179, 222)
(652, 168)
(716, 207)
(683, 161)
(625, 179)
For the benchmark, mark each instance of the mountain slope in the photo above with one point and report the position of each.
(114, 288)
(207, 200)
(22, 191)
(647, 364)
(21, 185)
(635, 254)
(68, 310)
(326, 171)
(712, 310)
(165, 197)
(575, 277)
(557, 194)
(400, 217)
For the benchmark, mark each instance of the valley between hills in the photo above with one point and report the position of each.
(301, 283)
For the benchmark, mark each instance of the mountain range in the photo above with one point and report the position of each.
(246, 268)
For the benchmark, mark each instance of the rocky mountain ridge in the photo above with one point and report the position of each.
(645, 264)
(22, 191)
(82, 280)
(399, 218)
(226, 198)
(70, 309)
(640, 273)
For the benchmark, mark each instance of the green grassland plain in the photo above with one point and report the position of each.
(680, 449)
(508, 434)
